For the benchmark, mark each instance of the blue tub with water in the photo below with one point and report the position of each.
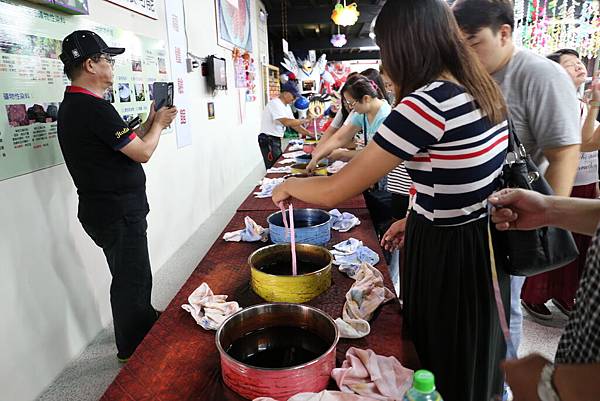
(312, 226)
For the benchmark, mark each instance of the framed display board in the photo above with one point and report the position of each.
(270, 82)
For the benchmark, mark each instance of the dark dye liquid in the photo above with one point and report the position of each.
(284, 268)
(278, 347)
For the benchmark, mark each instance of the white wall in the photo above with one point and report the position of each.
(54, 281)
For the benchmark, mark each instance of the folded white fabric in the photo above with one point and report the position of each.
(343, 222)
(296, 146)
(371, 375)
(336, 166)
(291, 155)
(350, 254)
(253, 232)
(363, 298)
(286, 161)
(266, 187)
(209, 310)
(282, 169)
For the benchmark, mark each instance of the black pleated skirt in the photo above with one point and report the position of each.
(449, 307)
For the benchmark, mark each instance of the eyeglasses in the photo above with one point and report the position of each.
(109, 59)
(351, 104)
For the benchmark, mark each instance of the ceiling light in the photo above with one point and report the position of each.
(345, 15)
(368, 48)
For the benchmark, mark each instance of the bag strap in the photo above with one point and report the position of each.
(366, 137)
(499, 304)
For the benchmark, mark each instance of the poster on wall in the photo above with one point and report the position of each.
(233, 24)
(32, 81)
(77, 7)
(178, 48)
(144, 7)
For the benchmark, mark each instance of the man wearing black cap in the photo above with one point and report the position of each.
(276, 116)
(103, 156)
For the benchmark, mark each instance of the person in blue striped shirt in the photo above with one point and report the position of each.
(450, 129)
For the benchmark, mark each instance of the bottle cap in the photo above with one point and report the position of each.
(424, 381)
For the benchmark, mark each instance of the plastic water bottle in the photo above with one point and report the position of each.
(423, 388)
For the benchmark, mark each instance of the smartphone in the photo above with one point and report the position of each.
(163, 94)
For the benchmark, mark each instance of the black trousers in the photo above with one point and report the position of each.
(270, 147)
(126, 249)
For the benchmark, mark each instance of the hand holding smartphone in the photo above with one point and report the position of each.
(163, 94)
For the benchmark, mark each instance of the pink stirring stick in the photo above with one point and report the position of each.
(293, 241)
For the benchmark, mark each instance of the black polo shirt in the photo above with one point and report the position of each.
(91, 133)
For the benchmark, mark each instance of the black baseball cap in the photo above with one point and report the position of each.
(79, 45)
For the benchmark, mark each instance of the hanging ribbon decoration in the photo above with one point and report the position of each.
(544, 26)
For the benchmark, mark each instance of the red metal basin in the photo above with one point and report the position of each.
(261, 347)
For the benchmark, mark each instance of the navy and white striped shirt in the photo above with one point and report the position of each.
(452, 152)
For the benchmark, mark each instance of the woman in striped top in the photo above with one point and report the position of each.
(450, 127)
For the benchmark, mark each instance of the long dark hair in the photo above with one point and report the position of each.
(375, 76)
(420, 40)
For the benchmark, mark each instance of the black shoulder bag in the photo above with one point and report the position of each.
(534, 251)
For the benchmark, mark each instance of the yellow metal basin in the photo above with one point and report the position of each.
(271, 273)
(300, 168)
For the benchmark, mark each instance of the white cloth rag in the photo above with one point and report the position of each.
(291, 155)
(296, 146)
(375, 376)
(209, 310)
(253, 232)
(286, 161)
(364, 297)
(336, 166)
(278, 170)
(266, 187)
(350, 254)
(343, 222)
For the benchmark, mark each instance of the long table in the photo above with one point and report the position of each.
(178, 360)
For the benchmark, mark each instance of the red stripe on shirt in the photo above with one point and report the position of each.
(424, 114)
(470, 155)
(79, 89)
(132, 136)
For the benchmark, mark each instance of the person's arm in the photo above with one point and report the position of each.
(338, 140)
(576, 382)
(293, 122)
(296, 124)
(562, 168)
(554, 122)
(590, 132)
(141, 149)
(363, 171)
(518, 209)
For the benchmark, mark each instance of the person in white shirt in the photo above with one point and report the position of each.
(276, 116)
